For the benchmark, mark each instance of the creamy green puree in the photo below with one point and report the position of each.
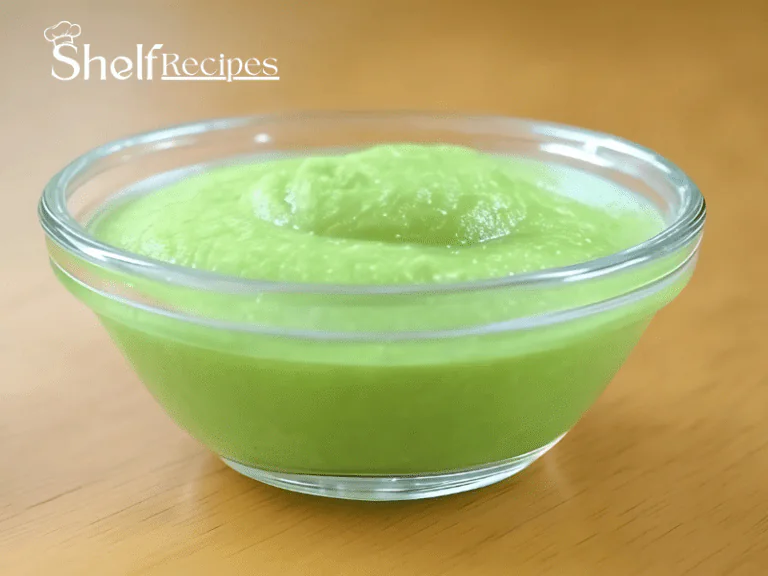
(398, 214)
(390, 215)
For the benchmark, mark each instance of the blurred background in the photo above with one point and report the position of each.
(665, 475)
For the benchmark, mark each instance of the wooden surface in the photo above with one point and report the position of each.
(665, 475)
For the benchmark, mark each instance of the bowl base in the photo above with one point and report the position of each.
(393, 488)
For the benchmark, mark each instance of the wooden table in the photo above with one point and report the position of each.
(667, 474)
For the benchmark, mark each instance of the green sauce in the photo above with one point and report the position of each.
(398, 214)
(390, 215)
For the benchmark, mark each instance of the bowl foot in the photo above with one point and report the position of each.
(393, 488)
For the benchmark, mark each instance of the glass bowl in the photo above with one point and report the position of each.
(372, 392)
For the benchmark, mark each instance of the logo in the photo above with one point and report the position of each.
(63, 33)
(148, 64)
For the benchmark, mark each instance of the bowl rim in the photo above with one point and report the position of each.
(63, 229)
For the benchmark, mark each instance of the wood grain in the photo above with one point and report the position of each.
(665, 475)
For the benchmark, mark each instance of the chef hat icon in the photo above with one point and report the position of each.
(63, 33)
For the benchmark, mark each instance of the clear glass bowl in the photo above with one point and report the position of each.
(371, 392)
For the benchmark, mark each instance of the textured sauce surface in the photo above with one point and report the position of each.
(391, 214)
